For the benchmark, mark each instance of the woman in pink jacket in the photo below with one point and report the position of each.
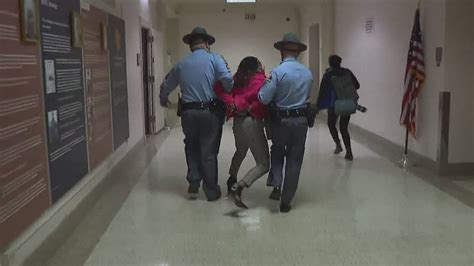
(248, 127)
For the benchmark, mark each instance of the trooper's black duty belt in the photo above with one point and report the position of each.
(198, 106)
(293, 113)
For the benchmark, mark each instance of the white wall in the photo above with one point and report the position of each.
(236, 37)
(318, 12)
(322, 13)
(460, 78)
(379, 61)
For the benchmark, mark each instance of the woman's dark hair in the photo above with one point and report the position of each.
(247, 68)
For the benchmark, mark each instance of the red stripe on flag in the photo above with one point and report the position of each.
(414, 78)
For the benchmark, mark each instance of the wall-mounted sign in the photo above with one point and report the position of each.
(118, 79)
(24, 188)
(96, 63)
(64, 94)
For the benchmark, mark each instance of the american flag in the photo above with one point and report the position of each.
(414, 77)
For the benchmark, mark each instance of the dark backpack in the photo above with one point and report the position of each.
(346, 92)
(344, 86)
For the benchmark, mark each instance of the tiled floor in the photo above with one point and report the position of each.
(368, 212)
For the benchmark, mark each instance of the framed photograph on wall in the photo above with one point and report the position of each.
(103, 36)
(76, 30)
(29, 10)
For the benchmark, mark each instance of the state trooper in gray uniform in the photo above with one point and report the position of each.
(289, 90)
(201, 114)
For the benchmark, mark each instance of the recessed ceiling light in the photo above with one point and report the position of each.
(240, 1)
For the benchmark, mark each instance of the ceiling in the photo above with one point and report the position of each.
(223, 1)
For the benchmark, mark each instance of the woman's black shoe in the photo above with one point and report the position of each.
(230, 182)
(237, 195)
(338, 149)
(276, 194)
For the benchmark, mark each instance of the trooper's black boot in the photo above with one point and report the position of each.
(338, 149)
(237, 195)
(230, 182)
(285, 208)
(193, 191)
(276, 194)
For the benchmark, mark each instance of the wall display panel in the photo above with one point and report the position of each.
(118, 77)
(61, 47)
(97, 84)
(24, 188)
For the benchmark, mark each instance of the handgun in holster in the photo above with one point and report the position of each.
(218, 108)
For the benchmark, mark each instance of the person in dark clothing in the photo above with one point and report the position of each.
(326, 100)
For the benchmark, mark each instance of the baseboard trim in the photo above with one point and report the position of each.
(389, 149)
(457, 170)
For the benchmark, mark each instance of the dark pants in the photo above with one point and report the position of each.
(289, 140)
(202, 130)
(343, 127)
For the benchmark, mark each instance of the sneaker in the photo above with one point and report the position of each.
(362, 109)
(349, 156)
(276, 194)
(338, 149)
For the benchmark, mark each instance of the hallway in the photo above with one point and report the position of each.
(368, 212)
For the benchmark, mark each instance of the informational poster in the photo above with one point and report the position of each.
(118, 77)
(24, 188)
(61, 47)
(96, 64)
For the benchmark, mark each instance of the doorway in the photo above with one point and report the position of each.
(148, 81)
(314, 59)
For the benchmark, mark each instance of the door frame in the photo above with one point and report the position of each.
(315, 58)
(148, 79)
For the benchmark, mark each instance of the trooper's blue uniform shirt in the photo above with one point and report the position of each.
(197, 74)
(289, 86)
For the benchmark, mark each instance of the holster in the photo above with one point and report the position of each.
(275, 116)
(179, 112)
(218, 108)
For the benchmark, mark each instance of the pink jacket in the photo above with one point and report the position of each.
(245, 97)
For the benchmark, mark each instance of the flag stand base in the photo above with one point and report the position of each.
(405, 164)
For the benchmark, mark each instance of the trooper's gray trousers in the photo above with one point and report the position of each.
(289, 140)
(202, 130)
